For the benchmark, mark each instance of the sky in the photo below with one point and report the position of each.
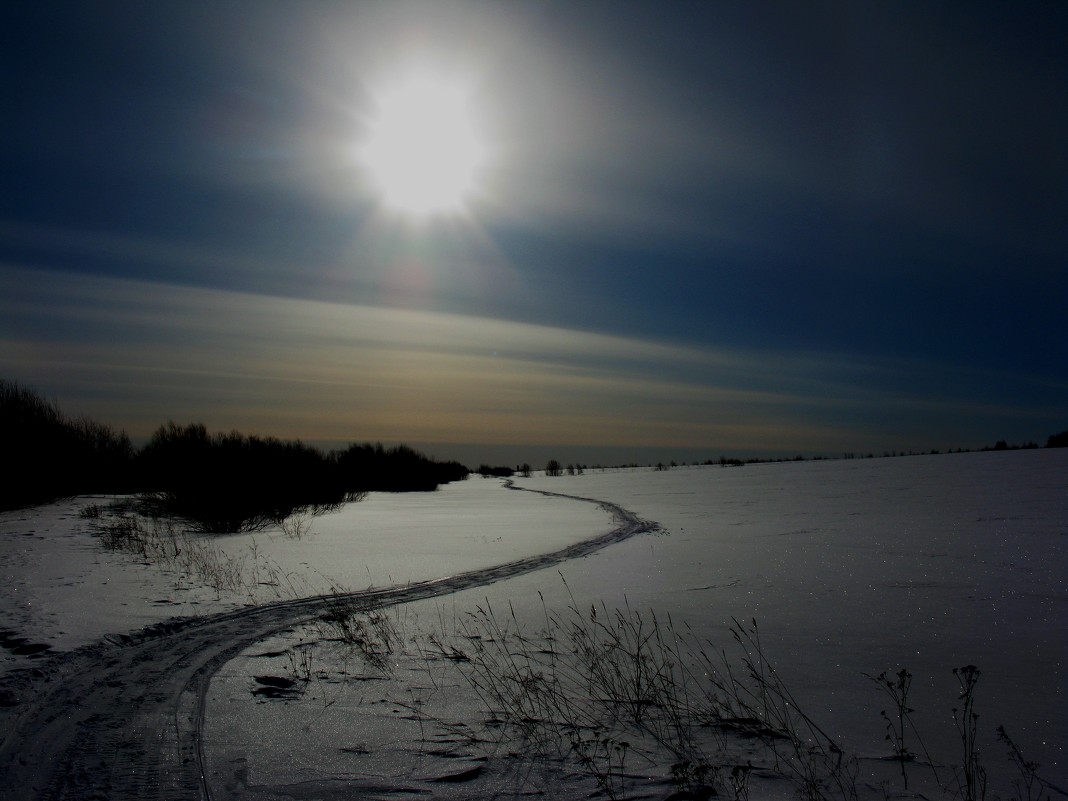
(697, 229)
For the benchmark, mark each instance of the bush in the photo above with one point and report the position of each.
(497, 472)
(366, 468)
(231, 482)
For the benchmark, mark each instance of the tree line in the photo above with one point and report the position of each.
(226, 482)
(221, 482)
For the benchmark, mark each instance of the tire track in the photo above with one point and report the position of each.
(122, 719)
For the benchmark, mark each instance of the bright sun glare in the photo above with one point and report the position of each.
(424, 151)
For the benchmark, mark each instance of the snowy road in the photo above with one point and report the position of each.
(122, 719)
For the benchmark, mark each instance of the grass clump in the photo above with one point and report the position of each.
(626, 696)
(371, 633)
(169, 545)
(617, 691)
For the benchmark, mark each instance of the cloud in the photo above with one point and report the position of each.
(135, 353)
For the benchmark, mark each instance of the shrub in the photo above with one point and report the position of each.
(498, 472)
(1058, 440)
(231, 482)
(365, 468)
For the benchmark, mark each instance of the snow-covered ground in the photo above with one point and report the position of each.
(849, 567)
(62, 589)
(925, 562)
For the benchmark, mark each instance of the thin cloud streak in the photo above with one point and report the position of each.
(135, 353)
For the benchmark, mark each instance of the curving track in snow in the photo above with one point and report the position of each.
(122, 719)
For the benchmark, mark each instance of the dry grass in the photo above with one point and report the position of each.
(619, 689)
(192, 557)
(623, 694)
(372, 633)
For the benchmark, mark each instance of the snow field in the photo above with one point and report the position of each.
(849, 568)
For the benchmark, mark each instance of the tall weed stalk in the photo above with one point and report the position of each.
(604, 686)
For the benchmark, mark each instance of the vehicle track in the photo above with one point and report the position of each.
(123, 718)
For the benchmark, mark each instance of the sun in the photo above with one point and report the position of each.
(424, 152)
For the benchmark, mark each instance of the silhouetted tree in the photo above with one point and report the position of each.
(50, 456)
(219, 482)
(497, 472)
(232, 482)
(553, 468)
(398, 469)
(1058, 440)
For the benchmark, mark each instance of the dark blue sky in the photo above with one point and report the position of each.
(713, 227)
